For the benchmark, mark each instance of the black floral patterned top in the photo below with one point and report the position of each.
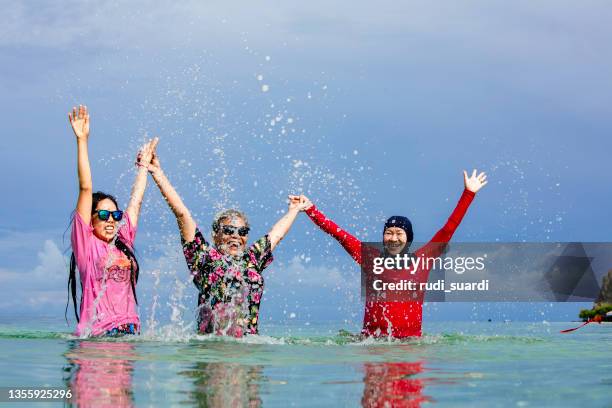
(230, 287)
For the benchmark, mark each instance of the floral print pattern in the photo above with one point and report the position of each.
(230, 287)
(123, 329)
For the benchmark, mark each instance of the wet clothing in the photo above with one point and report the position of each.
(107, 300)
(230, 287)
(123, 329)
(395, 319)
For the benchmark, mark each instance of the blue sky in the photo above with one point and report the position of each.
(372, 110)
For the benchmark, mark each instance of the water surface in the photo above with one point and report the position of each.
(454, 364)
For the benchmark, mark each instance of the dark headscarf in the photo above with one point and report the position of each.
(404, 223)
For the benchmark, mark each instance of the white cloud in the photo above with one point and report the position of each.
(52, 264)
(300, 272)
(38, 287)
(550, 50)
(311, 290)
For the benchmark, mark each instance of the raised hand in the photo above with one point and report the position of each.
(146, 153)
(301, 202)
(474, 182)
(79, 120)
(185, 221)
(305, 203)
(154, 166)
(143, 161)
(294, 202)
(282, 226)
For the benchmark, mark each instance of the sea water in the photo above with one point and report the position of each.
(482, 364)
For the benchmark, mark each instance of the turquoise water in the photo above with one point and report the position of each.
(454, 364)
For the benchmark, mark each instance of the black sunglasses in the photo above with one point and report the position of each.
(231, 230)
(104, 215)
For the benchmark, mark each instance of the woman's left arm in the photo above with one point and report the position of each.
(282, 226)
(472, 184)
(140, 183)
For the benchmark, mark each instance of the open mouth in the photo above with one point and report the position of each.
(233, 244)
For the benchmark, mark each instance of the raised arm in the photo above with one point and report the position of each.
(145, 155)
(186, 224)
(79, 120)
(282, 226)
(351, 244)
(472, 185)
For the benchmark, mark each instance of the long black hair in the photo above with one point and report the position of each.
(121, 246)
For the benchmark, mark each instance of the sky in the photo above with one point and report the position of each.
(369, 109)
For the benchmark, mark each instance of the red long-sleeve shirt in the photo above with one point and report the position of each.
(397, 319)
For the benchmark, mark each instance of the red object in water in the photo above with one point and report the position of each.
(596, 319)
(394, 385)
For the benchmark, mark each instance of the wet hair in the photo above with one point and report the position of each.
(121, 246)
(228, 214)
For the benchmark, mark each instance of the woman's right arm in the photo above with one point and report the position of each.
(186, 224)
(350, 243)
(79, 120)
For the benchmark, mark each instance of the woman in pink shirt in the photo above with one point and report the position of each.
(103, 247)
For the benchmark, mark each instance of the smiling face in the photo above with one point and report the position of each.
(105, 230)
(228, 240)
(394, 240)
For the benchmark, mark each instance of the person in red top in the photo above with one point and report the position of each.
(399, 319)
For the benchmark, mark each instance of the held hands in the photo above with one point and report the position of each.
(474, 182)
(154, 166)
(147, 156)
(79, 120)
(294, 203)
(299, 203)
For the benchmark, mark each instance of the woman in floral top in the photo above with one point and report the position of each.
(227, 273)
